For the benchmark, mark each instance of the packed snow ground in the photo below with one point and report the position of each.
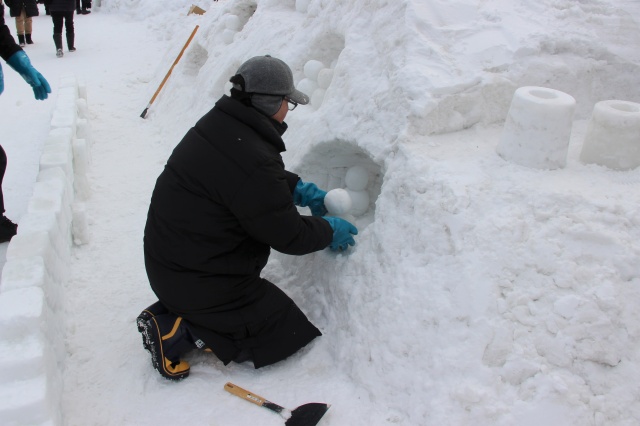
(479, 292)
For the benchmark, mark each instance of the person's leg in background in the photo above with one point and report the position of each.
(58, 21)
(20, 27)
(68, 23)
(28, 27)
(7, 228)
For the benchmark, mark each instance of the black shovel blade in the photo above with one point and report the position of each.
(307, 414)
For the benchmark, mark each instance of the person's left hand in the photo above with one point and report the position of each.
(309, 195)
(20, 62)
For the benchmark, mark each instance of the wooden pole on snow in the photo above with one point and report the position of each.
(166, 77)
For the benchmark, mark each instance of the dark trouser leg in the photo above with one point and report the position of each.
(68, 24)
(57, 39)
(58, 22)
(3, 168)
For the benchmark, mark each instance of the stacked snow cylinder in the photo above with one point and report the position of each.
(31, 300)
(537, 130)
(613, 135)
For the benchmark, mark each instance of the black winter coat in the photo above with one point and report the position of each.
(8, 45)
(16, 6)
(223, 200)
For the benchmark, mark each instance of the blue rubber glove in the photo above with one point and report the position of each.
(309, 195)
(1, 81)
(343, 233)
(19, 61)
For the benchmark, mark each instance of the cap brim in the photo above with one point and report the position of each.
(298, 97)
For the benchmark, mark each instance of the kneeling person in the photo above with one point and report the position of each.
(223, 200)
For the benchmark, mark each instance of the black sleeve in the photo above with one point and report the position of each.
(292, 180)
(264, 207)
(8, 45)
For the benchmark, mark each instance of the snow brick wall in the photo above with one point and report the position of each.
(31, 291)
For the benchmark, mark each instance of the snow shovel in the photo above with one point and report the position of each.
(166, 77)
(305, 415)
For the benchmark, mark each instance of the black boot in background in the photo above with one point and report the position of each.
(70, 40)
(21, 40)
(28, 38)
(57, 39)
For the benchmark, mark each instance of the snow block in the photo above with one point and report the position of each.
(80, 228)
(24, 273)
(21, 312)
(613, 136)
(26, 403)
(80, 166)
(537, 130)
(22, 359)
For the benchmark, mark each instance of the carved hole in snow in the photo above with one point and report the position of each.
(340, 164)
(319, 69)
(234, 21)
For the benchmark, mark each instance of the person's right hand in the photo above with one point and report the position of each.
(343, 232)
(20, 62)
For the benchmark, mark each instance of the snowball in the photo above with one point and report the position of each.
(359, 202)
(357, 178)
(232, 22)
(324, 78)
(312, 68)
(317, 97)
(307, 86)
(337, 201)
(228, 35)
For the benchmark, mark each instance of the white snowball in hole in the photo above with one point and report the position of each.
(307, 86)
(317, 97)
(228, 35)
(312, 68)
(359, 202)
(337, 201)
(357, 178)
(232, 22)
(324, 78)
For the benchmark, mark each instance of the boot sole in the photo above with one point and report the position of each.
(151, 340)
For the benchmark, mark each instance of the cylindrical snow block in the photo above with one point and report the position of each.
(538, 128)
(613, 135)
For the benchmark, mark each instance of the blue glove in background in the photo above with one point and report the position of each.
(309, 195)
(20, 62)
(1, 81)
(343, 233)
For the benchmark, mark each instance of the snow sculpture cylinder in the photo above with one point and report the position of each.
(537, 130)
(613, 135)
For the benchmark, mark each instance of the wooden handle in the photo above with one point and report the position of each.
(244, 394)
(166, 77)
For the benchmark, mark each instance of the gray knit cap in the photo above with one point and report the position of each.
(270, 76)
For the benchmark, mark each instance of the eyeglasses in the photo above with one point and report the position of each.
(292, 105)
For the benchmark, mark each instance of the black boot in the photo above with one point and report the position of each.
(166, 336)
(28, 38)
(57, 39)
(21, 40)
(70, 39)
(7, 229)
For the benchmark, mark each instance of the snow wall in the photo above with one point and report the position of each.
(32, 343)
